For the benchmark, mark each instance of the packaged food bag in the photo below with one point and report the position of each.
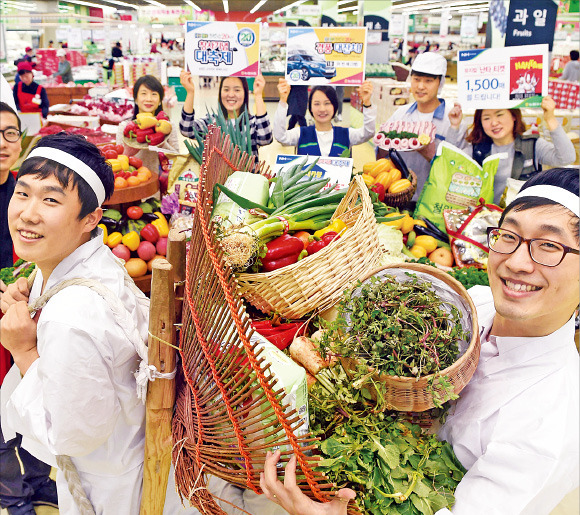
(455, 181)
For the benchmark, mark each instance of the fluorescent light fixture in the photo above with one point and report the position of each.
(91, 4)
(152, 2)
(257, 6)
(298, 2)
(226, 6)
(189, 2)
(25, 6)
(415, 4)
(118, 2)
(346, 9)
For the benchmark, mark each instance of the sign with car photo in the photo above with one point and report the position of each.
(223, 49)
(326, 55)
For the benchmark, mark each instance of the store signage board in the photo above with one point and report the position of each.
(223, 49)
(503, 78)
(469, 24)
(326, 55)
(531, 23)
(337, 169)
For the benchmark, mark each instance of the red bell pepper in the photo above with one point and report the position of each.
(283, 246)
(150, 233)
(162, 116)
(274, 264)
(304, 236)
(130, 130)
(379, 189)
(318, 245)
(155, 139)
(143, 133)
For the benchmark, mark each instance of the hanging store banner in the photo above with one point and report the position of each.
(504, 78)
(469, 25)
(531, 23)
(326, 55)
(223, 49)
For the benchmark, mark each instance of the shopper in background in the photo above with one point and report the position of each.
(412, 56)
(572, 68)
(64, 68)
(322, 138)
(148, 95)
(29, 96)
(497, 131)
(427, 80)
(297, 105)
(515, 425)
(19, 492)
(51, 44)
(233, 101)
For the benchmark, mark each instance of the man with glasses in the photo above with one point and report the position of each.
(515, 426)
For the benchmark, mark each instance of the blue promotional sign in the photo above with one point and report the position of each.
(531, 23)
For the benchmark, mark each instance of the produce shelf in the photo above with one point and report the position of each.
(143, 283)
(134, 193)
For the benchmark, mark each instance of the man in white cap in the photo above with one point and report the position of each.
(64, 67)
(427, 79)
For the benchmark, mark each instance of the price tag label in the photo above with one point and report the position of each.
(503, 78)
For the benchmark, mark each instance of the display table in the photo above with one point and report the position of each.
(64, 94)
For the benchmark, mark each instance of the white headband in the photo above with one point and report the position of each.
(75, 164)
(560, 195)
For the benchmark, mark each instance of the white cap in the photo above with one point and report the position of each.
(61, 52)
(432, 63)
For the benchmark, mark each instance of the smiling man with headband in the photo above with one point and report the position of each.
(72, 389)
(515, 426)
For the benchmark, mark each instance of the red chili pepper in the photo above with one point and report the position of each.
(379, 189)
(275, 264)
(282, 340)
(283, 246)
(155, 139)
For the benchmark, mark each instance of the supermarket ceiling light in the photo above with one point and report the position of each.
(152, 2)
(196, 7)
(257, 6)
(295, 4)
(346, 9)
(91, 4)
(25, 6)
(415, 4)
(226, 6)
(117, 2)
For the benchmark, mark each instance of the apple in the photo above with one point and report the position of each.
(161, 246)
(122, 252)
(146, 250)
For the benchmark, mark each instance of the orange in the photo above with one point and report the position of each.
(144, 169)
(120, 183)
(133, 181)
(143, 177)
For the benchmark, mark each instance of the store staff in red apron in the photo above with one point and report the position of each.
(29, 96)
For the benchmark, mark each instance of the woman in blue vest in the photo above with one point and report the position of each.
(322, 138)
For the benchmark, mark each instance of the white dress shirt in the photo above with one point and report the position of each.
(515, 426)
(79, 397)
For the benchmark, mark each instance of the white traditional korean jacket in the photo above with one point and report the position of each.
(515, 427)
(79, 397)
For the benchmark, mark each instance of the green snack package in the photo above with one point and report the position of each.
(455, 181)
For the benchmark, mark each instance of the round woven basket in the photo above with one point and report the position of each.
(317, 282)
(409, 393)
(401, 198)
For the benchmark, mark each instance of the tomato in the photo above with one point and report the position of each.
(110, 146)
(134, 212)
(136, 162)
(110, 154)
(119, 149)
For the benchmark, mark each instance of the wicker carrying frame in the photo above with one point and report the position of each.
(229, 410)
(317, 282)
(403, 197)
(410, 394)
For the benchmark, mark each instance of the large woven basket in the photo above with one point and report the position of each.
(403, 197)
(409, 393)
(317, 282)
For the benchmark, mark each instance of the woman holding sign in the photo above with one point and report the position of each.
(502, 130)
(233, 101)
(322, 138)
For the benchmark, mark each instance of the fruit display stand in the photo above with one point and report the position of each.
(122, 199)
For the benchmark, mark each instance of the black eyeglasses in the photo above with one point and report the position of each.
(543, 252)
(11, 135)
